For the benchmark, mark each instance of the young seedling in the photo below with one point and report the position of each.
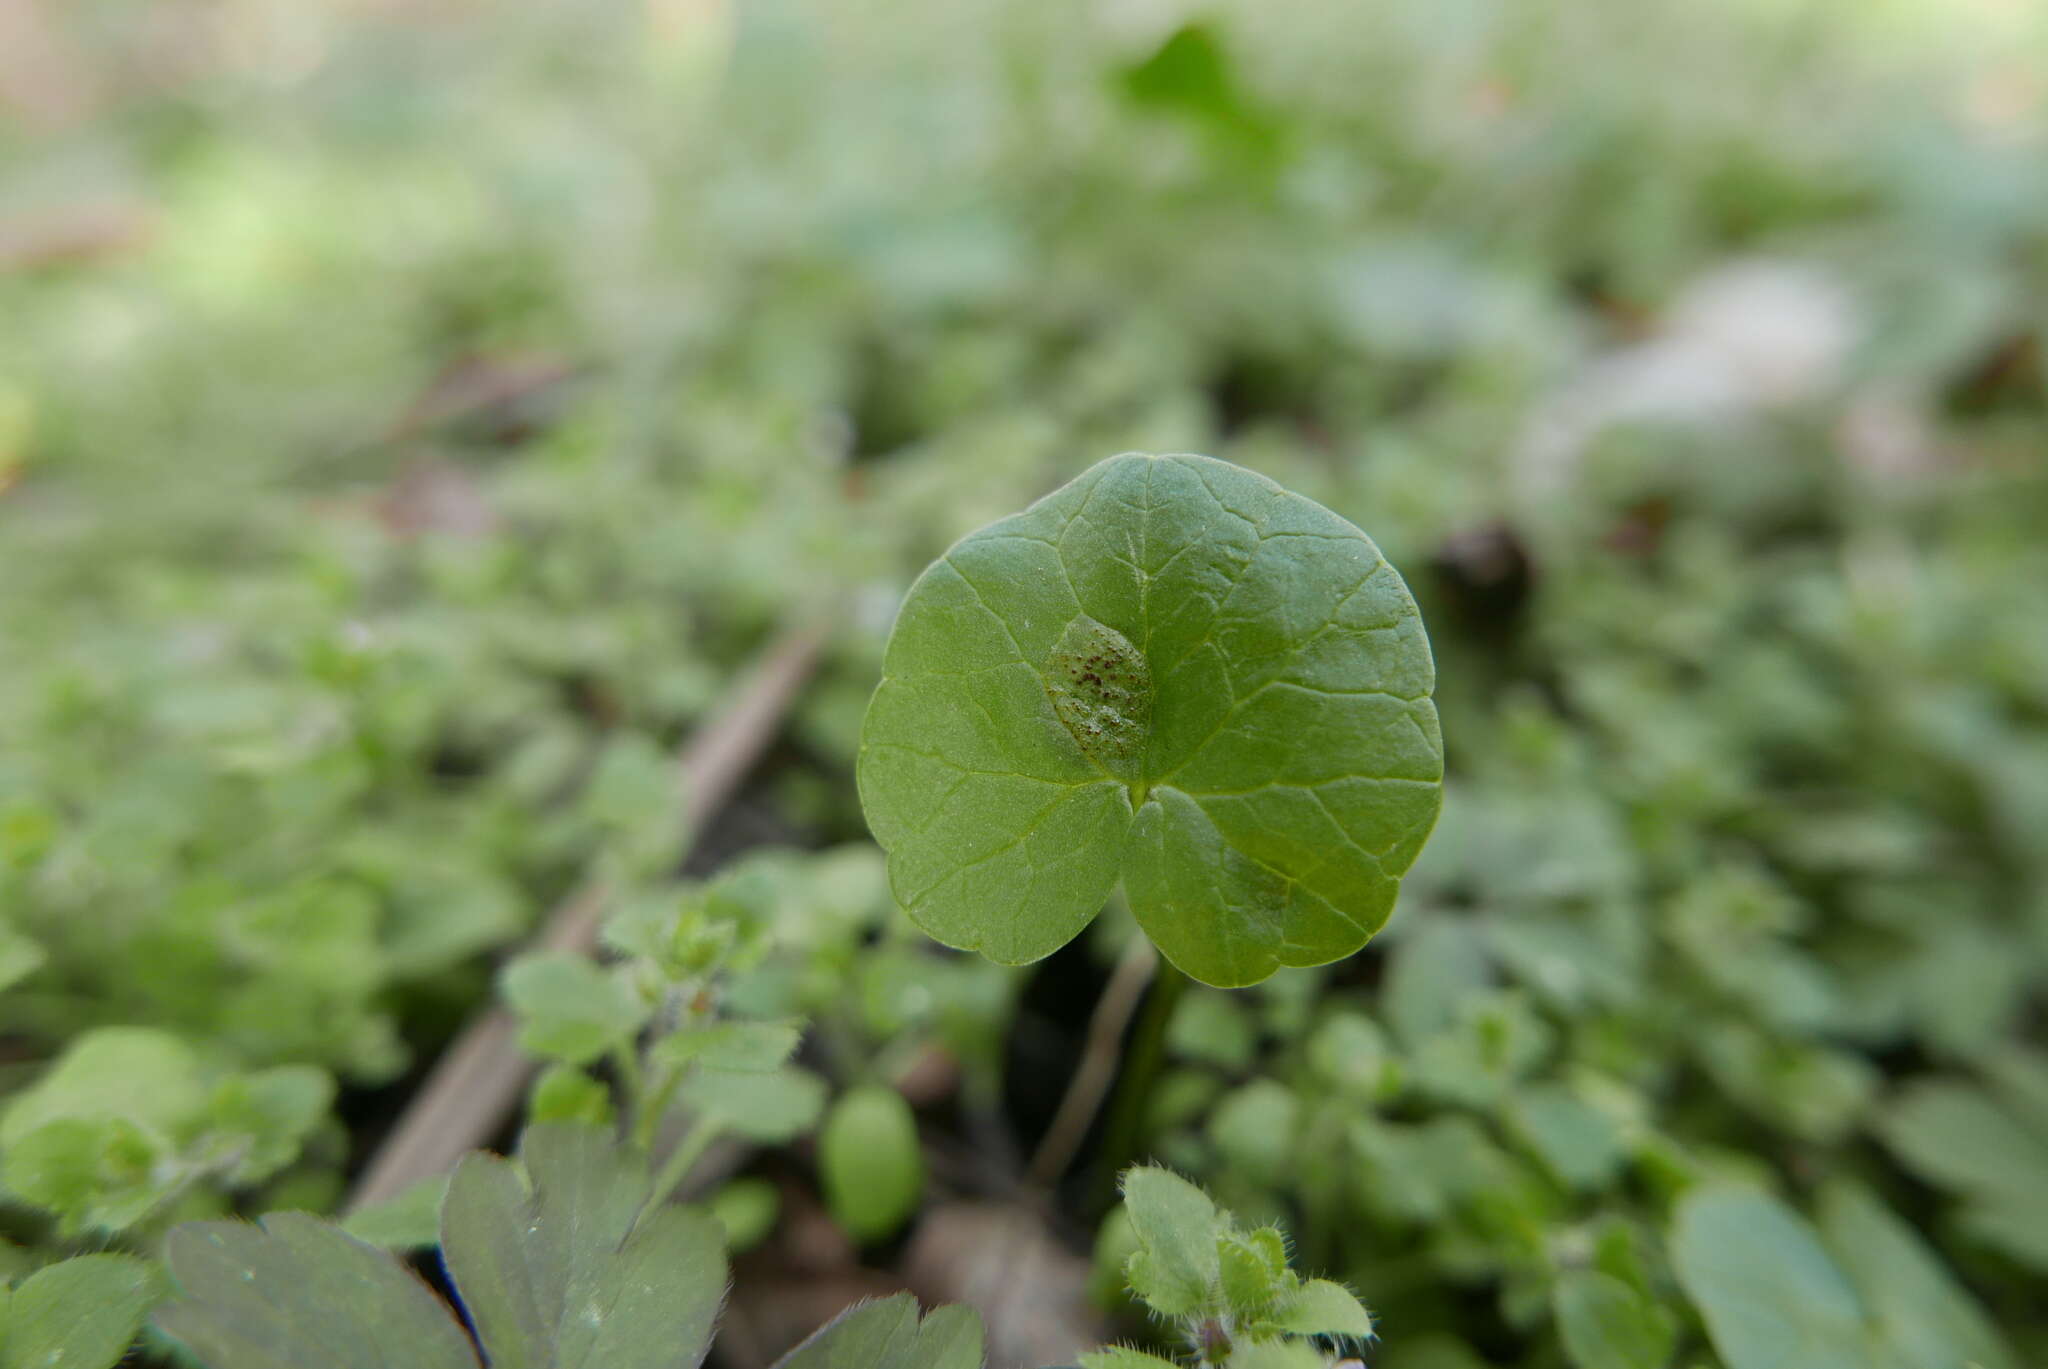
(1170, 672)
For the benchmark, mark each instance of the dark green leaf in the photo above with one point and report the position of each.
(295, 1293)
(558, 1266)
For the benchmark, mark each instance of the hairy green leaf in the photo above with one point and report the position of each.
(1177, 1265)
(1322, 1308)
(1123, 1357)
(1169, 671)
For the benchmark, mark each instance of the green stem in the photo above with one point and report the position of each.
(1123, 1137)
(626, 1064)
(687, 1153)
(648, 1120)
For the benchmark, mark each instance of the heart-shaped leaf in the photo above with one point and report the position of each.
(1173, 672)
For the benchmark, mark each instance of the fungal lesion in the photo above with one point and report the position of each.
(1101, 688)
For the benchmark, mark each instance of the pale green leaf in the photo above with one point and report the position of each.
(869, 1160)
(81, 1313)
(771, 1107)
(20, 956)
(1176, 1267)
(409, 1221)
(1276, 1355)
(1923, 1316)
(146, 1078)
(1173, 672)
(1605, 1324)
(732, 1045)
(534, 1253)
(1771, 1296)
(569, 1008)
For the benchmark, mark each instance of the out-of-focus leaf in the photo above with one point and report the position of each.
(869, 1161)
(768, 1106)
(569, 1008)
(1770, 1294)
(1923, 1315)
(80, 1313)
(1605, 1324)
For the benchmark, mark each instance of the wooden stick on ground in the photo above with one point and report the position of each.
(478, 1079)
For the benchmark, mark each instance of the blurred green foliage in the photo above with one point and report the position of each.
(408, 419)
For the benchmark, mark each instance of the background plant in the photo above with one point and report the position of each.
(407, 424)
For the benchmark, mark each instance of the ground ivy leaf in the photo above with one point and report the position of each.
(295, 1293)
(1169, 671)
(557, 1266)
(80, 1313)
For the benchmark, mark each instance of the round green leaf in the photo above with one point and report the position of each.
(1173, 672)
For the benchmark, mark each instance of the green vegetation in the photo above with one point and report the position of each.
(1244, 731)
(411, 423)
